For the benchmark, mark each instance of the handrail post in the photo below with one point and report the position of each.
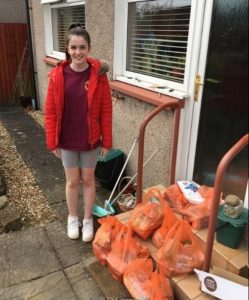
(222, 167)
(171, 104)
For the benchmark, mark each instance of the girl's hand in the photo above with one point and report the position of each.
(57, 152)
(104, 152)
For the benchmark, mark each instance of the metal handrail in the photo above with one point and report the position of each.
(171, 104)
(222, 167)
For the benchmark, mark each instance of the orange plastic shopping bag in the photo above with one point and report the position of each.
(197, 215)
(174, 197)
(160, 234)
(137, 278)
(161, 287)
(148, 215)
(104, 237)
(181, 252)
(143, 283)
(125, 249)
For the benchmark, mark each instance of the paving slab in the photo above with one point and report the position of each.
(56, 193)
(50, 287)
(84, 286)
(69, 252)
(62, 211)
(26, 255)
(112, 288)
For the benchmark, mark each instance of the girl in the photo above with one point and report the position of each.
(78, 118)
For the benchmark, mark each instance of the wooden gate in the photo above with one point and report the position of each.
(13, 38)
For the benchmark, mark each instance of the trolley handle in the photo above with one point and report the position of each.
(221, 169)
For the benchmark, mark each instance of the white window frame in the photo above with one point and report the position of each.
(48, 1)
(47, 11)
(180, 90)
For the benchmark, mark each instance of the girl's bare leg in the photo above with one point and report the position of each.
(72, 189)
(88, 183)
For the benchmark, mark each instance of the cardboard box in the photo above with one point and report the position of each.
(223, 284)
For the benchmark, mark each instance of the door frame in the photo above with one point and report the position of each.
(190, 116)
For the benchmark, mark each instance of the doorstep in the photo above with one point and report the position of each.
(188, 286)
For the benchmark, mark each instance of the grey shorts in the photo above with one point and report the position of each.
(79, 159)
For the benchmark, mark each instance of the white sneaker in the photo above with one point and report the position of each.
(87, 231)
(73, 227)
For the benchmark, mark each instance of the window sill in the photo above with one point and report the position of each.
(143, 94)
(51, 61)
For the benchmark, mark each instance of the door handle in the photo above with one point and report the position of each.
(198, 83)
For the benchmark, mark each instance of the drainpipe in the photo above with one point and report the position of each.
(33, 72)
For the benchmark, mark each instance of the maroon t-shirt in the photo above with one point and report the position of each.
(74, 130)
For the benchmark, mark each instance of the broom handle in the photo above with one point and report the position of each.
(122, 171)
(120, 193)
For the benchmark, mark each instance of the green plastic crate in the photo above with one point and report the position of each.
(112, 154)
(108, 170)
(230, 231)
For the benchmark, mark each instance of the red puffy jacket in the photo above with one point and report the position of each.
(99, 116)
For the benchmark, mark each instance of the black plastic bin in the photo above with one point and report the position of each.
(108, 170)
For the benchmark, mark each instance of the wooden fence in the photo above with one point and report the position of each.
(13, 38)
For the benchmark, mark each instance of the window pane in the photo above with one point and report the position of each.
(62, 18)
(157, 37)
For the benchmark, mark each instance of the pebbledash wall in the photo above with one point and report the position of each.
(6, 11)
(128, 112)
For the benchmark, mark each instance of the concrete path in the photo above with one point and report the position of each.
(41, 262)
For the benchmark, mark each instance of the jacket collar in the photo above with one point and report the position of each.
(95, 64)
(56, 74)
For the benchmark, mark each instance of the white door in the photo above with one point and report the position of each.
(212, 122)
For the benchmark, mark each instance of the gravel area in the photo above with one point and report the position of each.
(38, 116)
(22, 188)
